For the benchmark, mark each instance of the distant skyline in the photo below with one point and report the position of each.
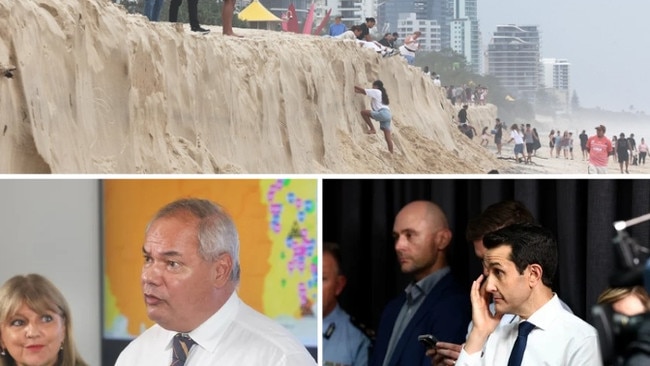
(604, 40)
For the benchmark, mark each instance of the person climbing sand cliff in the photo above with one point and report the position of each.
(380, 111)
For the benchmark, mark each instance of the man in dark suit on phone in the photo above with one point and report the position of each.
(434, 303)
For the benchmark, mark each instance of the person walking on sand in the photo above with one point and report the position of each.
(519, 142)
(583, 144)
(529, 139)
(558, 144)
(485, 137)
(551, 141)
(498, 135)
(564, 143)
(598, 147)
(380, 111)
(622, 151)
(643, 151)
(536, 144)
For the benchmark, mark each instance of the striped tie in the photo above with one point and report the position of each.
(181, 347)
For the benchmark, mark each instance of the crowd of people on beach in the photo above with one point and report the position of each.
(526, 138)
(623, 150)
(467, 94)
(596, 149)
(562, 142)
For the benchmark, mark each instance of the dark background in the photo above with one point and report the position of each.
(359, 214)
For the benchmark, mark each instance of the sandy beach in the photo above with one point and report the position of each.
(543, 163)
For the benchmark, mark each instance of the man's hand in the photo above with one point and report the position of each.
(482, 317)
(444, 354)
(484, 322)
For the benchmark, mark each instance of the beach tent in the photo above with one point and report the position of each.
(256, 13)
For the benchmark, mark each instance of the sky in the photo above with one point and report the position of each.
(607, 43)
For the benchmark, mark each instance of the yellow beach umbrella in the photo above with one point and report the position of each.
(256, 12)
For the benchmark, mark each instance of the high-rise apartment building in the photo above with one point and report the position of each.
(556, 73)
(513, 57)
(349, 10)
(458, 21)
(555, 81)
(354, 11)
(439, 10)
(464, 33)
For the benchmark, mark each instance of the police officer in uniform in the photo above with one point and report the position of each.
(344, 341)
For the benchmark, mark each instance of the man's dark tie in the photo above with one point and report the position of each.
(517, 353)
(181, 347)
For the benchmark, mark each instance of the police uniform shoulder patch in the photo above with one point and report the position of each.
(367, 331)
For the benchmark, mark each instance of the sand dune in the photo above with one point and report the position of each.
(96, 90)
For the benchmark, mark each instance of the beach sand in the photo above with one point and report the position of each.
(97, 90)
(544, 164)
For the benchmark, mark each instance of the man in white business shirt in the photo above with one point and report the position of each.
(521, 261)
(189, 278)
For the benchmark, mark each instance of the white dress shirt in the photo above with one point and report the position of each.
(236, 335)
(511, 318)
(559, 338)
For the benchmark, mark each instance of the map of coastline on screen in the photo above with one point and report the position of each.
(277, 224)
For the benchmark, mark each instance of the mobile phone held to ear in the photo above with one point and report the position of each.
(428, 340)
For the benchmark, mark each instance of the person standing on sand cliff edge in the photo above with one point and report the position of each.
(227, 11)
(192, 7)
(380, 111)
(152, 9)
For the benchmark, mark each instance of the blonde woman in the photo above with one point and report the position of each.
(628, 301)
(35, 324)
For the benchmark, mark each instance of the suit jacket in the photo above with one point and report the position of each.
(444, 313)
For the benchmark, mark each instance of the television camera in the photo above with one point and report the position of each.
(625, 340)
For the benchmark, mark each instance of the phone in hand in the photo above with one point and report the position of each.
(428, 340)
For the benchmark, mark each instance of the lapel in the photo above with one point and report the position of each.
(408, 336)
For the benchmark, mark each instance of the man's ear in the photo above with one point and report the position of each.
(223, 267)
(341, 281)
(535, 274)
(443, 238)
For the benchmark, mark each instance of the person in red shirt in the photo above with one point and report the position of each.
(599, 147)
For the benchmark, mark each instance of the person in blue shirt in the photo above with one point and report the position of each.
(337, 28)
(344, 344)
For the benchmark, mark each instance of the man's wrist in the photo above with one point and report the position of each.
(476, 340)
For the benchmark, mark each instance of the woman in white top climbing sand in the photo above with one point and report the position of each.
(380, 111)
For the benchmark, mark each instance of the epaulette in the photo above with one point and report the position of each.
(367, 331)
